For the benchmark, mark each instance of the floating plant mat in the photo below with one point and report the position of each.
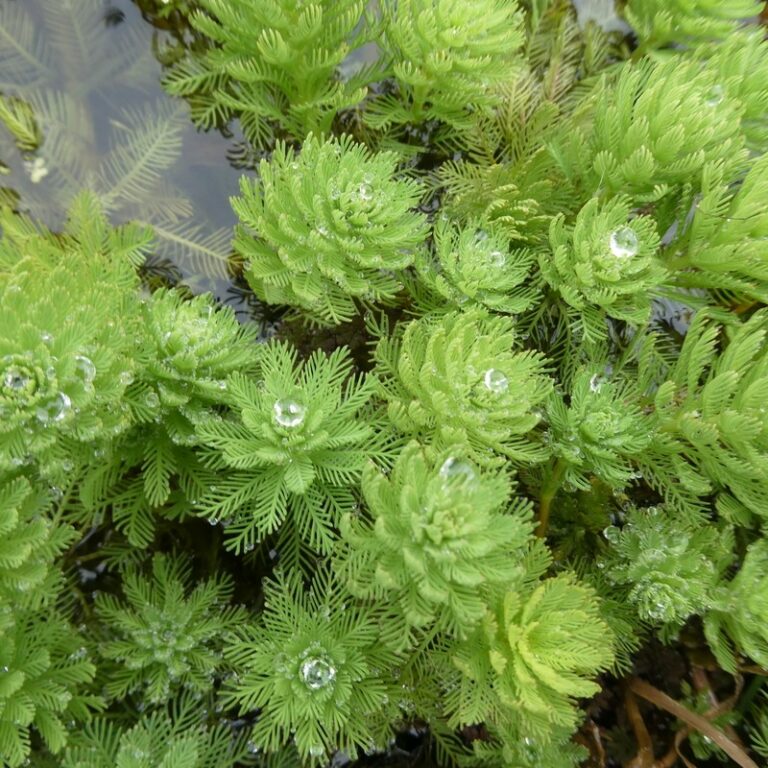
(485, 484)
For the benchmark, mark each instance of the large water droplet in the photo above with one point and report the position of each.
(457, 469)
(715, 96)
(612, 534)
(495, 381)
(289, 413)
(85, 367)
(365, 192)
(55, 410)
(624, 243)
(316, 750)
(496, 258)
(596, 382)
(15, 380)
(317, 672)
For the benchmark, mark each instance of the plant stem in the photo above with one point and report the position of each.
(694, 720)
(553, 479)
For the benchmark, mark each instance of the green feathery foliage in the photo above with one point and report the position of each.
(30, 541)
(532, 657)
(659, 22)
(65, 354)
(188, 349)
(173, 739)
(604, 265)
(274, 64)
(327, 226)
(671, 567)
(599, 431)
(316, 666)
(736, 622)
(166, 635)
(42, 663)
(652, 129)
(508, 448)
(294, 447)
(472, 266)
(441, 535)
(713, 421)
(457, 380)
(446, 58)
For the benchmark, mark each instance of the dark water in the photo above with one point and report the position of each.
(89, 70)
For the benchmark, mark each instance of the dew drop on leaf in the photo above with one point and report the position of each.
(289, 413)
(624, 243)
(317, 672)
(715, 96)
(495, 381)
(457, 469)
(15, 380)
(55, 410)
(85, 368)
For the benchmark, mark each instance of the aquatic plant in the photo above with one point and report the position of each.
(504, 462)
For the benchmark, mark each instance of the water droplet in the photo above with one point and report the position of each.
(715, 96)
(316, 750)
(46, 337)
(496, 258)
(85, 368)
(596, 382)
(151, 399)
(457, 469)
(365, 192)
(289, 413)
(612, 534)
(317, 672)
(322, 230)
(495, 381)
(125, 378)
(624, 243)
(55, 410)
(15, 380)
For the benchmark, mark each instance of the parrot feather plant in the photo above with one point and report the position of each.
(490, 488)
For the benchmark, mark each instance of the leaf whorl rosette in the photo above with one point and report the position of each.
(43, 671)
(327, 226)
(297, 440)
(64, 358)
(604, 263)
(317, 667)
(656, 128)
(540, 647)
(439, 533)
(178, 735)
(447, 55)
(473, 265)
(660, 22)
(29, 543)
(599, 431)
(736, 624)
(669, 566)
(713, 418)
(164, 636)
(457, 380)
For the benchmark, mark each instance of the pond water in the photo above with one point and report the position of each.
(90, 71)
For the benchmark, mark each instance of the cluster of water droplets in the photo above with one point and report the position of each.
(289, 413)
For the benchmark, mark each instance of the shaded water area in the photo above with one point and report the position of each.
(91, 71)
